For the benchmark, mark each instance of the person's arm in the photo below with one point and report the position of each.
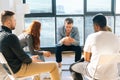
(35, 52)
(87, 49)
(87, 56)
(76, 37)
(35, 58)
(16, 48)
(60, 37)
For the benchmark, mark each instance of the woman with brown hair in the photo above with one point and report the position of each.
(31, 38)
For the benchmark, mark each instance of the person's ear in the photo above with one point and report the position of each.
(8, 21)
(97, 27)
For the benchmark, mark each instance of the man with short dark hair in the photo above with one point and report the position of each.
(98, 43)
(68, 40)
(20, 63)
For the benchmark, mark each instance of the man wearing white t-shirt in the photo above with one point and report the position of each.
(100, 42)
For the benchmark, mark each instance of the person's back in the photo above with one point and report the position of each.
(23, 39)
(98, 43)
(3, 48)
(103, 42)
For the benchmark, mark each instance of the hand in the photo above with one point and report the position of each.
(35, 58)
(71, 39)
(67, 41)
(47, 53)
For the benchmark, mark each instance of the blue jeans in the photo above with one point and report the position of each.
(59, 49)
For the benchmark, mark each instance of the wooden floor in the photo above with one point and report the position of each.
(68, 59)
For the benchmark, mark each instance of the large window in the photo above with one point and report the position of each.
(117, 6)
(117, 28)
(69, 7)
(47, 35)
(110, 22)
(51, 13)
(99, 5)
(88, 26)
(40, 6)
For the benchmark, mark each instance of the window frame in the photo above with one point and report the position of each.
(42, 14)
(85, 13)
(104, 12)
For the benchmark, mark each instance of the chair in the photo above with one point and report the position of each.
(67, 52)
(9, 71)
(110, 67)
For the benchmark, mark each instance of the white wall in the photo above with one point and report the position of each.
(20, 10)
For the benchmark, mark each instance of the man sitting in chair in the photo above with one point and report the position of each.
(20, 63)
(68, 40)
(98, 43)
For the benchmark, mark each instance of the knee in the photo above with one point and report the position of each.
(54, 64)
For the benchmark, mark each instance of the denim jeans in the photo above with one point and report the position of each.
(59, 49)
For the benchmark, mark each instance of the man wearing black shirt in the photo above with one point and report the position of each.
(20, 63)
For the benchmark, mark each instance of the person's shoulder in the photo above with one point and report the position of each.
(28, 36)
(75, 28)
(7, 34)
(92, 35)
(12, 35)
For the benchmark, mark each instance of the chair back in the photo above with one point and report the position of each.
(108, 67)
(5, 64)
(9, 71)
